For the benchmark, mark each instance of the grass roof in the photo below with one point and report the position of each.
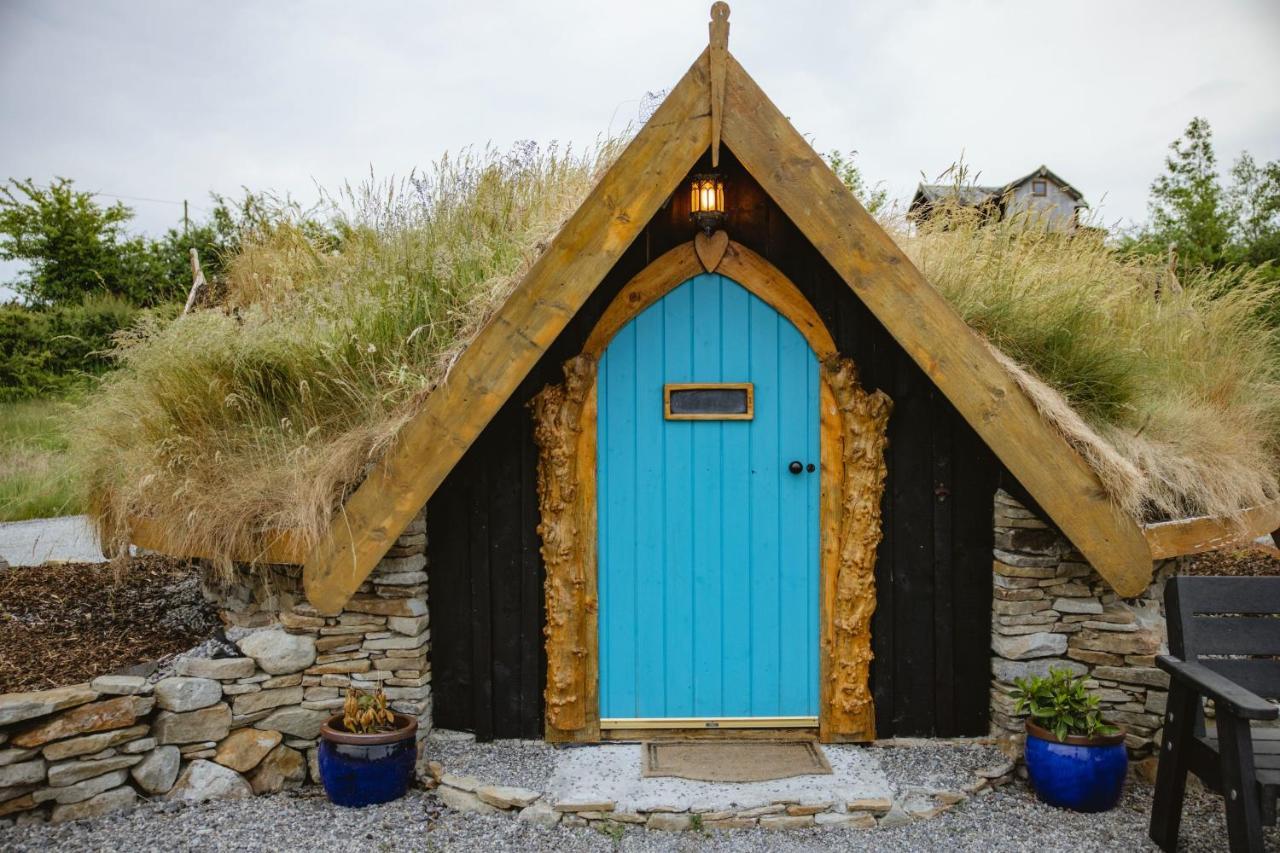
(263, 413)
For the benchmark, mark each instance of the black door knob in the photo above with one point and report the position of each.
(795, 467)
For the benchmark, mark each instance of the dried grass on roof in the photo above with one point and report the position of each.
(262, 415)
(1171, 391)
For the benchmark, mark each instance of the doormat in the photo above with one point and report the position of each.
(733, 760)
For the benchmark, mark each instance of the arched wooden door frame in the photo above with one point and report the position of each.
(852, 437)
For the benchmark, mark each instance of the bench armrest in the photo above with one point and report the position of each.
(1224, 692)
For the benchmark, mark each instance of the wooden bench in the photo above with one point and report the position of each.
(1224, 635)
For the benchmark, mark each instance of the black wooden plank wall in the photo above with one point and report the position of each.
(931, 631)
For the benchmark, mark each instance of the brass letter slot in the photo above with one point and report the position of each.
(708, 401)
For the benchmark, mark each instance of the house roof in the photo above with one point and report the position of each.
(976, 196)
(717, 100)
(1045, 172)
(968, 196)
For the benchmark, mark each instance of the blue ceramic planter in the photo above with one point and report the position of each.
(362, 770)
(1082, 774)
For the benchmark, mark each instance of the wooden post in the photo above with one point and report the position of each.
(718, 55)
(197, 282)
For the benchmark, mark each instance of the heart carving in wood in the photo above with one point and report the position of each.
(711, 249)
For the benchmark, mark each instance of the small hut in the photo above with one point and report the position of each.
(725, 460)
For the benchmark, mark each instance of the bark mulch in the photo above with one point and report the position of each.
(65, 623)
(1240, 562)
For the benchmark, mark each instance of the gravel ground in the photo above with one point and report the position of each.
(522, 763)
(1006, 820)
(941, 766)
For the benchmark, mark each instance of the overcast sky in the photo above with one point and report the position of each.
(169, 100)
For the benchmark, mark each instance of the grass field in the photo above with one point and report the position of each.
(35, 477)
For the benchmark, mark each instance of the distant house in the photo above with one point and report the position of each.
(1041, 195)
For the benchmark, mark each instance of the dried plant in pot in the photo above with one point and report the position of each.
(368, 752)
(1074, 760)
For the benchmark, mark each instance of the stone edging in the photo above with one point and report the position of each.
(469, 794)
(227, 727)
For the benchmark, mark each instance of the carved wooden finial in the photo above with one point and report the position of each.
(719, 52)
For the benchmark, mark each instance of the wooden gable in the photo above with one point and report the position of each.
(593, 240)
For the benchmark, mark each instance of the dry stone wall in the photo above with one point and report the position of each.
(1051, 609)
(227, 720)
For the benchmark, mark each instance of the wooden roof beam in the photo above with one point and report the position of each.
(490, 369)
(931, 331)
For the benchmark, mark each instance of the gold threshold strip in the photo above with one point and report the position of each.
(709, 723)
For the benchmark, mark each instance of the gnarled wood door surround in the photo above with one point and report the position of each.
(852, 424)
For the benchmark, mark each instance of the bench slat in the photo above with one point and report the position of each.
(1232, 635)
(1201, 595)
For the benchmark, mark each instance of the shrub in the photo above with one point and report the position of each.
(1060, 703)
(47, 352)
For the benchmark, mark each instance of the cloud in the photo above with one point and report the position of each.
(169, 100)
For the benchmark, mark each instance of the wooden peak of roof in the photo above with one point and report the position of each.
(717, 100)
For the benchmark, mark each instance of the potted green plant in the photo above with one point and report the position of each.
(367, 753)
(1074, 759)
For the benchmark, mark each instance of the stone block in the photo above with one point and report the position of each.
(83, 790)
(1139, 642)
(296, 622)
(340, 667)
(1020, 608)
(401, 579)
(388, 606)
(120, 685)
(1096, 658)
(783, 821)
(284, 768)
(1029, 646)
(16, 707)
(90, 744)
(243, 749)
(70, 772)
(411, 625)
(1009, 670)
(219, 668)
(158, 770)
(540, 814)
(204, 780)
(251, 703)
(295, 721)
(404, 565)
(669, 822)
(463, 801)
(115, 713)
(585, 806)
(850, 821)
(185, 693)
(1077, 605)
(13, 756)
(398, 642)
(207, 724)
(108, 802)
(279, 652)
(24, 773)
(1024, 594)
(1034, 572)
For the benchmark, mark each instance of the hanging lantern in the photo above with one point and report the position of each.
(706, 202)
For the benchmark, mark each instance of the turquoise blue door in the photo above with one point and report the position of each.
(708, 562)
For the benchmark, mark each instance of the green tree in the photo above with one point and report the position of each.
(71, 245)
(874, 197)
(1254, 202)
(1188, 205)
